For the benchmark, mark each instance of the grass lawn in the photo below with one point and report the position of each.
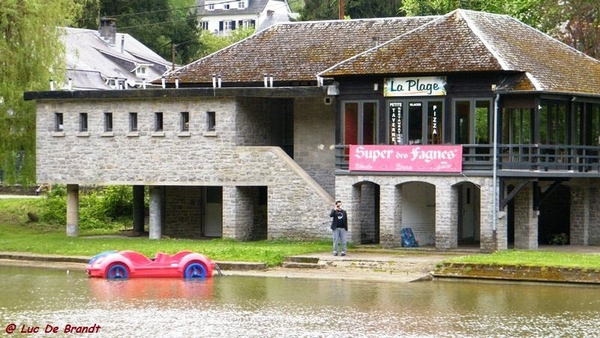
(533, 258)
(17, 234)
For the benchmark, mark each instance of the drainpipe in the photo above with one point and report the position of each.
(495, 172)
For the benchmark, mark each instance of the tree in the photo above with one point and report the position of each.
(574, 22)
(162, 25)
(31, 54)
(355, 9)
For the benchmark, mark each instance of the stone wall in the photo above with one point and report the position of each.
(235, 155)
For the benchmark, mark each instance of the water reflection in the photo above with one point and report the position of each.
(281, 307)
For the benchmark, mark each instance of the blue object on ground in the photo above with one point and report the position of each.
(408, 238)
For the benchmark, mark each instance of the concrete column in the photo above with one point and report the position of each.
(72, 210)
(352, 207)
(138, 209)
(389, 227)
(526, 220)
(156, 212)
(238, 213)
(580, 215)
(491, 241)
(446, 217)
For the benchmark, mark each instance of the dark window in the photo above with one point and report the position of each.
(211, 119)
(83, 122)
(185, 121)
(158, 121)
(133, 122)
(58, 122)
(108, 122)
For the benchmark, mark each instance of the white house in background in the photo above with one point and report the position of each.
(104, 59)
(222, 16)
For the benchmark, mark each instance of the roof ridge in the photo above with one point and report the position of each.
(374, 48)
(503, 63)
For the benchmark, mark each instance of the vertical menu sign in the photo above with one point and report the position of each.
(396, 123)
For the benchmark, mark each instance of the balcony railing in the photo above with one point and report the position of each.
(516, 157)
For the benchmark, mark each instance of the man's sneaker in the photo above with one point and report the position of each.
(335, 253)
(343, 253)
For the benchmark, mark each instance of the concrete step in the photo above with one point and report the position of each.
(301, 265)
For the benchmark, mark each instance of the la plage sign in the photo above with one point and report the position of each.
(415, 158)
(415, 86)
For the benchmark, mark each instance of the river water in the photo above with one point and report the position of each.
(54, 303)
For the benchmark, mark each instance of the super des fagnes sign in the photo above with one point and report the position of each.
(421, 158)
(415, 86)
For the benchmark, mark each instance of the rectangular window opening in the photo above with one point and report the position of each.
(108, 122)
(158, 121)
(133, 122)
(83, 122)
(211, 120)
(185, 121)
(59, 122)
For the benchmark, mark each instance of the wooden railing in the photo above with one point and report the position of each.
(523, 157)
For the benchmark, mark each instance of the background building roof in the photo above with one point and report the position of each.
(91, 61)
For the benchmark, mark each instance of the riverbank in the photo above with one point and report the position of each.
(401, 266)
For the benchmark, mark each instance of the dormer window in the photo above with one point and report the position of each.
(241, 4)
(141, 70)
(226, 6)
(211, 7)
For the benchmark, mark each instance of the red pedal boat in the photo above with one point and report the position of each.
(131, 264)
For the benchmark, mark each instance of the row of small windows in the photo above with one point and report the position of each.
(240, 5)
(184, 122)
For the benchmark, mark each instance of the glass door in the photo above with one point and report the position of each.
(360, 122)
(415, 122)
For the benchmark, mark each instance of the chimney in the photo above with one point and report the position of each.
(108, 30)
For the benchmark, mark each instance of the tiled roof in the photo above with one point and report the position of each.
(461, 41)
(295, 51)
(468, 41)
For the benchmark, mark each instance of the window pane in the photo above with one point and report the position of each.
(350, 123)
(482, 122)
(369, 127)
(462, 122)
(415, 122)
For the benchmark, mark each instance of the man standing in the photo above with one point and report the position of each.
(339, 226)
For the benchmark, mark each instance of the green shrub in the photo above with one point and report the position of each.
(99, 208)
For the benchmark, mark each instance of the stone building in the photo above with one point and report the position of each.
(469, 128)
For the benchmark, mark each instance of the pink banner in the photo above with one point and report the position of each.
(415, 158)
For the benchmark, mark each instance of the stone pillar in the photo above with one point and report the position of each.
(72, 210)
(238, 213)
(491, 241)
(446, 217)
(352, 207)
(138, 209)
(157, 200)
(389, 227)
(579, 215)
(526, 220)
